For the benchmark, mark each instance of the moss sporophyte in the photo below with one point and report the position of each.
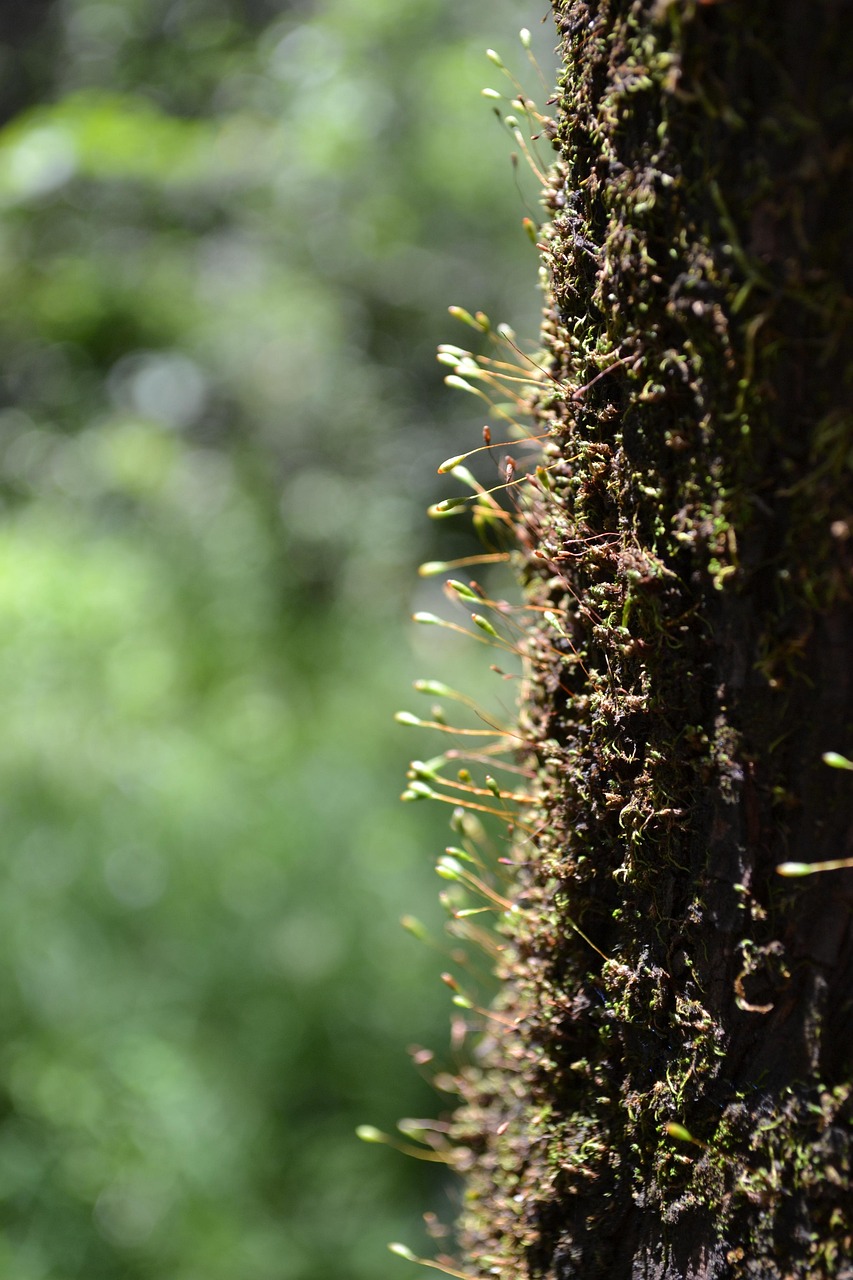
(485, 775)
(651, 854)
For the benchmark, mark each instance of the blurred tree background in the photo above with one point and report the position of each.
(229, 232)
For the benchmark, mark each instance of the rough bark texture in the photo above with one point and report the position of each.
(696, 546)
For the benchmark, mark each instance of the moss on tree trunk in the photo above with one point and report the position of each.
(696, 545)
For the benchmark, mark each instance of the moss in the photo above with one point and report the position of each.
(693, 544)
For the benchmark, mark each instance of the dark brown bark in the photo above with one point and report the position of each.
(697, 542)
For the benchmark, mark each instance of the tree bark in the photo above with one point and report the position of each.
(694, 543)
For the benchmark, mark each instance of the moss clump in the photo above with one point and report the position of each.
(694, 543)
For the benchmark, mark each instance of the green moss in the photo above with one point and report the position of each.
(692, 543)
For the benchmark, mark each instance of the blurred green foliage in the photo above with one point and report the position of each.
(229, 232)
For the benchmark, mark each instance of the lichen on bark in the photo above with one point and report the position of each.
(694, 545)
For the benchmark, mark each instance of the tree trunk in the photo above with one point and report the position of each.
(676, 1099)
(28, 43)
